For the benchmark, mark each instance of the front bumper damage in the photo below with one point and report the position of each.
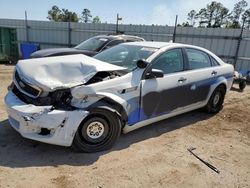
(43, 123)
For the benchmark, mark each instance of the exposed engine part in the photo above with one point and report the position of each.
(102, 76)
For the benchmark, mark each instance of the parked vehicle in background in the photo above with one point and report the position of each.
(89, 47)
(85, 102)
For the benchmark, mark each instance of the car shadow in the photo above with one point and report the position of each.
(16, 151)
(233, 88)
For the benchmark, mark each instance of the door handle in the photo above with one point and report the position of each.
(214, 73)
(182, 79)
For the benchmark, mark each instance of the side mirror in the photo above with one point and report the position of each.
(154, 73)
(141, 63)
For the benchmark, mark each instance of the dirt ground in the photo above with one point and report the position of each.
(153, 156)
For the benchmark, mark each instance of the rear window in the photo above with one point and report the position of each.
(92, 44)
(214, 62)
(197, 59)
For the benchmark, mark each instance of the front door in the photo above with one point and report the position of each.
(160, 96)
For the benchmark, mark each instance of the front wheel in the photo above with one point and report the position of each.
(98, 132)
(215, 103)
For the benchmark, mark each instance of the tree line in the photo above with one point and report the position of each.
(216, 14)
(64, 15)
(213, 15)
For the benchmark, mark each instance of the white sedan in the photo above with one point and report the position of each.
(87, 102)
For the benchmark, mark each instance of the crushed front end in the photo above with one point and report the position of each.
(38, 102)
(43, 116)
(43, 123)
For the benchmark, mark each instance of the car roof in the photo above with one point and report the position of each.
(159, 45)
(120, 36)
(152, 44)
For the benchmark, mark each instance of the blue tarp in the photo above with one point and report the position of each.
(28, 48)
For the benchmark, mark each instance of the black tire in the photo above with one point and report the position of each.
(242, 84)
(215, 103)
(110, 125)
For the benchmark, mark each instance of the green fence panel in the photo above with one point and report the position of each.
(8, 44)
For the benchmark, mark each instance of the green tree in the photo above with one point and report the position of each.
(64, 15)
(214, 15)
(202, 16)
(86, 15)
(238, 10)
(221, 17)
(185, 24)
(191, 17)
(54, 13)
(96, 20)
(246, 17)
(211, 11)
(68, 16)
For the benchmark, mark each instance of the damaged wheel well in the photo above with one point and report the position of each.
(110, 105)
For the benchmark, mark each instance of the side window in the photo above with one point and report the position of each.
(197, 59)
(113, 43)
(170, 61)
(214, 62)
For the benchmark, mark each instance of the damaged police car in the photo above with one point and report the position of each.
(87, 102)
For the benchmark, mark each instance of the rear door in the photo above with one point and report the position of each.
(204, 73)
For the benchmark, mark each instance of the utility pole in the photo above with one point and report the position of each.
(175, 25)
(69, 34)
(238, 44)
(117, 20)
(26, 27)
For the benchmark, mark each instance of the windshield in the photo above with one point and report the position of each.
(92, 44)
(125, 55)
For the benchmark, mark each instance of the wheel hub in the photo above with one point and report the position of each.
(216, 99)
(95, 130)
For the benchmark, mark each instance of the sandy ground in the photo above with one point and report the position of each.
(154, 156)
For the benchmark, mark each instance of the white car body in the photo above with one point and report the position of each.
(143, 101)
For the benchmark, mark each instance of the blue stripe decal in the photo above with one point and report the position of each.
(138, 114)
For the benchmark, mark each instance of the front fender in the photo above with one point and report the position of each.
(103, 100)
(115, 98)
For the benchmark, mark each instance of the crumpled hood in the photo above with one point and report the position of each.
(52, 73)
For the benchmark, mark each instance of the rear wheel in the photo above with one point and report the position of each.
(215, 103)
(242, 84)
(98, 132)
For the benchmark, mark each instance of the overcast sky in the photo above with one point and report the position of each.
(147, 12)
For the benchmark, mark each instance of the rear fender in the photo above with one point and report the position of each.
(220, 81)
